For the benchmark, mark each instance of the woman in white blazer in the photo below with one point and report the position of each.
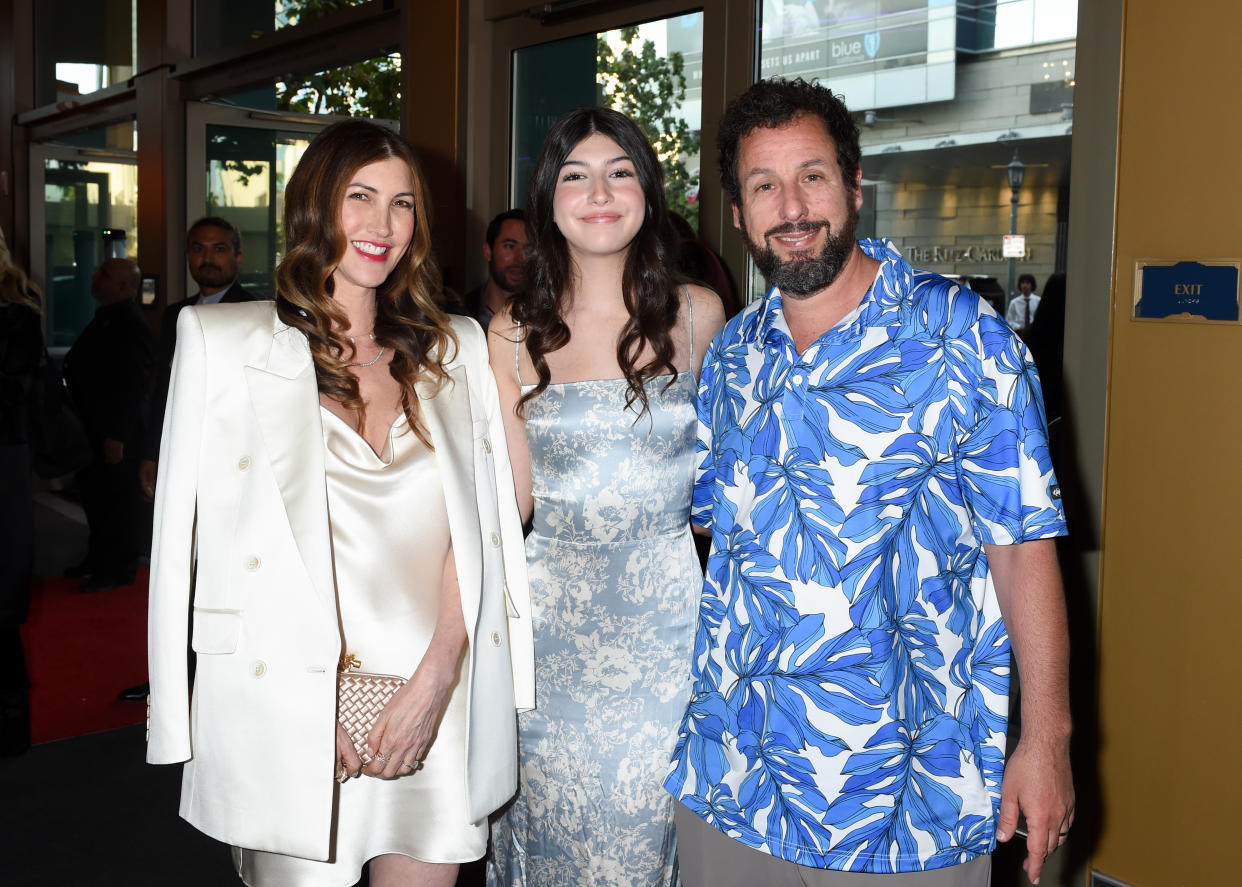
(333, 483)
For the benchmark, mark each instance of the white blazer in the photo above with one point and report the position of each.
(241, 531)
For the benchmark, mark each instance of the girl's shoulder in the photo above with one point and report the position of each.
(708, 311)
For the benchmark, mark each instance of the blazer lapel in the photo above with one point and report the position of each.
(446, 412)
(285, 397)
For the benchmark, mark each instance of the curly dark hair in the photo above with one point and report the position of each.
(494, 226)
(773, 103)
(408, 316)
(649, 281)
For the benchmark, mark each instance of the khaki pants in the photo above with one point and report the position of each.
(707, 857)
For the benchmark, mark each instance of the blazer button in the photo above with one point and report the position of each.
(252, 562)
(258, 668)
(487, 445)
(494, 539)
(495, 639)
(243, 463)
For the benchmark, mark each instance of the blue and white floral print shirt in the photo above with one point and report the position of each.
(851, 667)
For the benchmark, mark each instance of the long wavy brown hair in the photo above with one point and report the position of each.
(649, 280)
(15, 287)
(408, 318)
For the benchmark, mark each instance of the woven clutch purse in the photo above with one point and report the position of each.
(361, 696)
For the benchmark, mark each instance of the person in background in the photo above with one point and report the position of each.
(504, 250)
(213, 253)
(1022, 308)
(21, 348)
(334, 492)
(108, 371)
(873, 468)
(596, 361)
(1046, 339)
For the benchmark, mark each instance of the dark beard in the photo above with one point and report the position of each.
(805, 275)
(499, 278)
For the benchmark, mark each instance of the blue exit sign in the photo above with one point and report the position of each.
(1188, 291)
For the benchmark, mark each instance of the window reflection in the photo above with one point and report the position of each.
(90, 198)
(1007, 24)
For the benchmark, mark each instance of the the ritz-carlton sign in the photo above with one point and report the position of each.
(981, 255)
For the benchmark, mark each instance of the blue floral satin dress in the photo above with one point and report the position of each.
(615, 584)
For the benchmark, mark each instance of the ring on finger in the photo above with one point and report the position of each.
(381, 758)
(413, 766)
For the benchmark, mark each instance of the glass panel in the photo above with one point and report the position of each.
(219, 24)
(879, 53)
(1004, 24)
(247, 170)
(371, 88)
(91, 214)
(82, 47)
(653, 72)
(548, 80)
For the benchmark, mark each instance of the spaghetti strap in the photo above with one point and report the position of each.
(517, 354)
(690, 306)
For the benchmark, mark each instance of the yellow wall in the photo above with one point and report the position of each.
(1171, 592)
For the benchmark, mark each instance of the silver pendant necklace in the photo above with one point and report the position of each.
(373, 361)
(370, 363)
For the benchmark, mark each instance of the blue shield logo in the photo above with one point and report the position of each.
(871, 44)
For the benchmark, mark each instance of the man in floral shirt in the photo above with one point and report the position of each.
(876, 480)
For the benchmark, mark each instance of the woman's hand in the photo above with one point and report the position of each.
(347, 761)
(404, 730)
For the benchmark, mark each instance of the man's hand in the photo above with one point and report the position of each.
(146, 479)
(113, 451)
(1038, 784)
(1037, 778)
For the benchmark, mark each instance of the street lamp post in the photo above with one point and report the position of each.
(1015, 172)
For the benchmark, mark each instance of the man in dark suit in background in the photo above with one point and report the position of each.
(504, 250)
(108, 370)
(213, 253)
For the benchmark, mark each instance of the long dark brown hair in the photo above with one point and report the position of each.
(648, 281)
(408, 316)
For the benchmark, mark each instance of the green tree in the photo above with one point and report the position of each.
(650, 89)
(366, 89)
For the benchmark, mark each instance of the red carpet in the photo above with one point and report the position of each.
(83, 649)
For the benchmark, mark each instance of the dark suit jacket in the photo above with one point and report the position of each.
(163, 364)
(107, 371)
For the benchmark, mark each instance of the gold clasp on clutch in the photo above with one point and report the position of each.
(348, 661)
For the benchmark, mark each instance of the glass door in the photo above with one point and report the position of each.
(84, 203)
